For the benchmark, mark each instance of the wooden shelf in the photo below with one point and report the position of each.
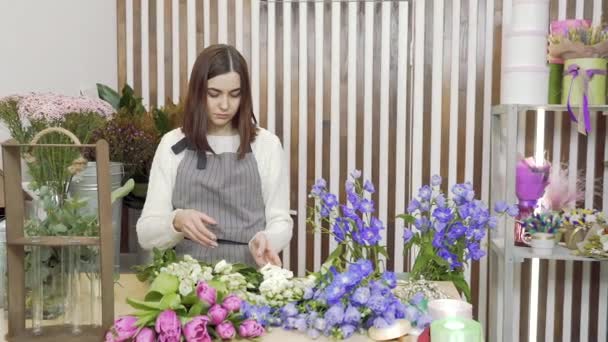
(520, 253)
(501, 109)
(61, 333)
(55, 241)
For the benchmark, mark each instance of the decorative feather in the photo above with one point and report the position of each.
(562, 194)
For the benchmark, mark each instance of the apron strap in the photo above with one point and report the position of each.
(183, 144)
(201, 163)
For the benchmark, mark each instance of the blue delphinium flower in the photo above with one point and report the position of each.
(352, 315)
(333, 293)
(377, 303)
(379, 288)
(361, 295)
(349, 213)
(355, 173)
(422, 224)
(330, 200)
(340, 228)
(438, 240)
(399, 308)
(324, 211)
(347, 330)
(366, 267)
(308, 293)
(300, 324)
(513, 211)
(413, 206)
(320, 324)
(443, 214)
(417, 299)
(353, 198)
(346, 280)
(366, 206)
(313, 333)
(412, 313)
(440, 201)
(456, 231)
(380, 323)
(475, 252)
(425, 193)
(289, 310)
(390, 278)
(424, 321)
(425, 206)
(369, 186)
(501, 207)
(334, 315)
(263, 314)
(407, 235)
(319, 187)
(435, 180)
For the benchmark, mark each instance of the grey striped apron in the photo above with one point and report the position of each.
(228, 190)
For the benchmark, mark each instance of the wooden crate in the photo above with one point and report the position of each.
(16, 242)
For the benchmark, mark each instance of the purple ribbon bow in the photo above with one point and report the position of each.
(574, 71)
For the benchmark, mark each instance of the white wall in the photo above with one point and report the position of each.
(63, 46)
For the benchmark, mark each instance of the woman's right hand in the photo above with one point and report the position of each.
(192, 224)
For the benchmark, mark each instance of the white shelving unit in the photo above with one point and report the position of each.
(507, 141)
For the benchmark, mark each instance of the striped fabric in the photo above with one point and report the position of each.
(228, 190)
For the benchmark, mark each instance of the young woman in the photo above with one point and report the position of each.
(218, 185)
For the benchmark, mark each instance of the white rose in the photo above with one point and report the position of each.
(604, 241)
(288, 293)
(591, 219)
(222, 267)
(185, 288)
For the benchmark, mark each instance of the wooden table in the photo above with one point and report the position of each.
(129, 286)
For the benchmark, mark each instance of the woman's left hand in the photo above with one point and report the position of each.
(261, 251)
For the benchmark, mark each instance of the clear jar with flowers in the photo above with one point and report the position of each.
(448, 231)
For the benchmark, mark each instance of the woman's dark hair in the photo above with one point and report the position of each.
(213, 61)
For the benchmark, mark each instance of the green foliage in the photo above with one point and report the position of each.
(162, 258)
(162, 121)
(109, 95)
(66, 218)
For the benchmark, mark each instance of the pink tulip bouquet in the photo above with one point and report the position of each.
(164, 315)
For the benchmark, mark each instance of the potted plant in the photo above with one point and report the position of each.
(576, 224)
(448, 231)
(584, 49)
(543, 228)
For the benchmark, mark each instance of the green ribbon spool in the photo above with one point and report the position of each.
(456, 329)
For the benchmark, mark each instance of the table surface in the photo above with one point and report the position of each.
(129, 286)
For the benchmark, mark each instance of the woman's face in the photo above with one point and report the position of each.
(223, 99)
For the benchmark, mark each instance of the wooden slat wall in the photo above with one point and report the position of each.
(398, 89)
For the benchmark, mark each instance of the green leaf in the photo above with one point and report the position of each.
(165, 283)
(161, 121)
(146, 320)
(218, 285)
(407, 218)
(109, 95)
(170, 301)
(461, 285)
(195, 309)
(143, 305)
(59, 228)
(153, 296)
(190, 299)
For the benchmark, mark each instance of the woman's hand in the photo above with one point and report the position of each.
(192, 224)
(261, 251)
